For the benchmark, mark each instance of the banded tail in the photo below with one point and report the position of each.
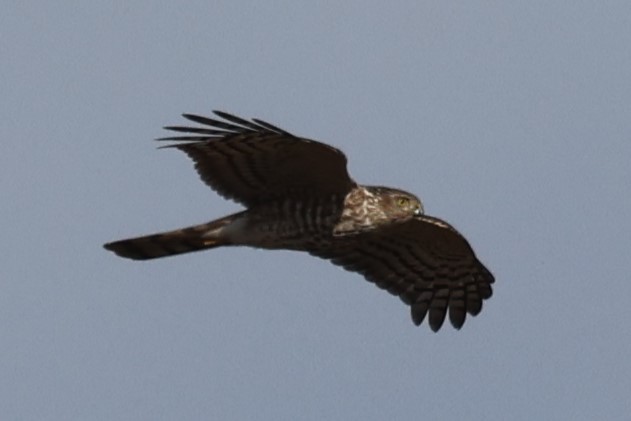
(185, 240)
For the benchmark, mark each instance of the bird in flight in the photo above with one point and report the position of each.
(298, 195)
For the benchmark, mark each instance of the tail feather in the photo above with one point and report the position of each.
(185, 240)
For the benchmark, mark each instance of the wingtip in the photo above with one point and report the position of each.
(222, 114)
(189, 116)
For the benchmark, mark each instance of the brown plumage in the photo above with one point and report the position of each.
(299, 196)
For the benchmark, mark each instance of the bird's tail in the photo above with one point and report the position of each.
(185, 240)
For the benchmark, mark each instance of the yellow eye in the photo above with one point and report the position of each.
(403, 202)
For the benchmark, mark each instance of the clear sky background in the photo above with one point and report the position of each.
(511, 120)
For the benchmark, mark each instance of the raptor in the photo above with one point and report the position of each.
(298, 195)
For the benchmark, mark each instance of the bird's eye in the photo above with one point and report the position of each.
(403, 202)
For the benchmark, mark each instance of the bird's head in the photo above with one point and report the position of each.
(398, 204)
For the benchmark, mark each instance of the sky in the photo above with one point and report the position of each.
(511, 120)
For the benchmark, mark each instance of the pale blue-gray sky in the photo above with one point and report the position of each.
(510, 120)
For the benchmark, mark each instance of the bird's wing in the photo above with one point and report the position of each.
(425, 262)
(253, 161)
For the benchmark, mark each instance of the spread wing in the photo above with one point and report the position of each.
(425, 262)
(253, 161)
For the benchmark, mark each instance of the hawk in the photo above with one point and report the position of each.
(299, 196)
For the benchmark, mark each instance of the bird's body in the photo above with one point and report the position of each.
(299, 196)
(292, 224)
